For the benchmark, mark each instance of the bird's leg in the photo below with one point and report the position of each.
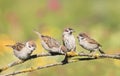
(65, 61)
(68, 55)
(94, 54)
(72, 53)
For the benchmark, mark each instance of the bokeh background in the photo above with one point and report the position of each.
(99, 18)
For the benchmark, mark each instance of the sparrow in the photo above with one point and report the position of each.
(51, 45)
(23, 50)
(88, 43)
(69, 42)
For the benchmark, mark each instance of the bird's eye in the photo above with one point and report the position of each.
(80, 35)
(33, 45)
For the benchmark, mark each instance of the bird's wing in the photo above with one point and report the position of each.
(64, 49)
(92, 41)
(55, 43)
(36, 32)
(63, 40)
(18, 46)
(51, 42)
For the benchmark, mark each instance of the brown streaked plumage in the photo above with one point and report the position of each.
(93, 41)
(50, 41)
(23, 51)
(88, 43)
(18, 46)
(64, 48)
(50, 44)
(89, 39)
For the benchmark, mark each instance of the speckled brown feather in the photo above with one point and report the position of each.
(50, 41)
(64, 49)
(89, 39)
(84, 35)
(18, 46)
(92, 41)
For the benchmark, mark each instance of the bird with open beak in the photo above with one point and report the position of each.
(69, 42)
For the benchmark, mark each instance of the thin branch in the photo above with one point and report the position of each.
(42, 67)
(32, 69)
(114, 56)
(20, 62)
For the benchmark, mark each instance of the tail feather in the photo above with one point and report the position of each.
(101, 51)
(9, 45)
(37, 33)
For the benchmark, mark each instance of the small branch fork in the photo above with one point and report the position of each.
(88, 57)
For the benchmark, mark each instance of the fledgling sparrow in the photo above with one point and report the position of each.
(23, 50)
(88, 43)
(51, 45)
(69, 43)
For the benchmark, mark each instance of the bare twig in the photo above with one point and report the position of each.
(32, 69)
(114, 56)
(20, 62)
(42, 67)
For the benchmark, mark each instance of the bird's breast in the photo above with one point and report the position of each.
(23, 54)
(69, 42)
(88, 45)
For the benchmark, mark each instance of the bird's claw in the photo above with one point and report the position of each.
(94, 55)
(72, 53)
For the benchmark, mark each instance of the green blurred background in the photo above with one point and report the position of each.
(99, 18)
